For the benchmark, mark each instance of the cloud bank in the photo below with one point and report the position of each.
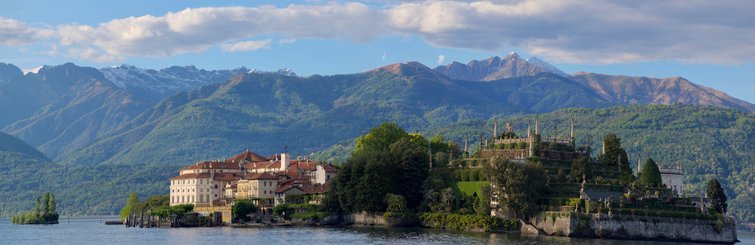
(568, 31)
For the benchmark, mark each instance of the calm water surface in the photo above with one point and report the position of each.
(93, 231)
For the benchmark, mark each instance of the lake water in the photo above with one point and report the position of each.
(93, 231)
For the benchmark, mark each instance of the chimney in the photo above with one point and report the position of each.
(284, 161)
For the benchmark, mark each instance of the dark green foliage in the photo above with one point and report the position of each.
(717, 196)
(580, 169)
(168, 211)
(520, 186)
(156, 201)
(650, 175)
(242, 208)
(381, 167)
(471, 222)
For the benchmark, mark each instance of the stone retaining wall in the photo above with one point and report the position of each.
(634, 227)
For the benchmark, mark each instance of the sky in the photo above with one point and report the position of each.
(711, 43)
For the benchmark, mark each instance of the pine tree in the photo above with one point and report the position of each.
(651, 175)
(717, 196)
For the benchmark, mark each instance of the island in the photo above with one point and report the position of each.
(536, 183)
(44, 212)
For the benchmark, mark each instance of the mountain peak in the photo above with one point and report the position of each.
(512, 55)
(407, 68)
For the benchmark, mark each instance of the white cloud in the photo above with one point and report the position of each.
(246, 46)
(441, 59)
(571, 31)
(383, 56)
(17, 33)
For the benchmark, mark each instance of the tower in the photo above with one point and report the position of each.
(571, 132)
(537, 125)
(495, 128)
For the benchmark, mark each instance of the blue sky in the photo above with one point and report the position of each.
(707, 43)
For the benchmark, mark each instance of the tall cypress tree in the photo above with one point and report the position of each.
(651, 175)
(51, 205)
(45, 203)
(717, 196)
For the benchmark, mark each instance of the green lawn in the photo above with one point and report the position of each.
(470, 187)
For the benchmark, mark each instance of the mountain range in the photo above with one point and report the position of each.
(122, 127)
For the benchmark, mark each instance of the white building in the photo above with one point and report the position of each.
(673, 178)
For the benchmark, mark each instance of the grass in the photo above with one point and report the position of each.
(470, 187)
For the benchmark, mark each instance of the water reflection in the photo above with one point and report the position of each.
(92, 231)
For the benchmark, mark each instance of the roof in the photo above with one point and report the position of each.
(317, 189)
(330, 168)
(212, 165)
(263, 165)
(192, 176)
(248, 156)
(226, 176)
(264, 175)
(284, 189)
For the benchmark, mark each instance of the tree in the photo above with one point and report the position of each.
(37, 208)
(650, 175)
(45, 201)
(156, 201)
(612, 146)
(519, 186)
(51, 207)
(580, 168)
(624, 168)
(131, 205)
(717, 196)
(242, 208)
(379, 138)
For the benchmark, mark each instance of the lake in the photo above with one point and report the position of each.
(93, 231)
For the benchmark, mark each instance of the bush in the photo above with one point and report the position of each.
(471, 222)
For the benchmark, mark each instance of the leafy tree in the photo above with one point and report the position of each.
(717, 196)
(156, 201)
(131, 205)
(580, 168)
(388, 161)
(242, 208)
(519, 186)
(379, 138)
(650, 175)
(482, 202)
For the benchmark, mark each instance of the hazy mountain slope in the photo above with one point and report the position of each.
(80, 106)
(643, 90)
(617, 89)
(9, 72)
(21, 168)
(63, 108)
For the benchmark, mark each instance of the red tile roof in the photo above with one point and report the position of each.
(192, 176)
(248, 156)
(264, 175)
(212, 165)
(283, 189)
(317, 189)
